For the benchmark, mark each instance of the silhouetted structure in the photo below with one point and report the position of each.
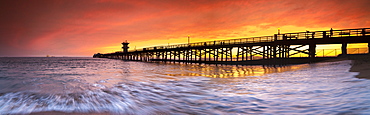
(98, 55)
(125, 46)
(276, 49)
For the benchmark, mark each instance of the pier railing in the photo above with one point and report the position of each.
(275, 49)
(336, 52)
(276, 37)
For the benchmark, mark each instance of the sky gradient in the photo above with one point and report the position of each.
(85, 27)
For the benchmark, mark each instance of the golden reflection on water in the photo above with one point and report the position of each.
(231, 71)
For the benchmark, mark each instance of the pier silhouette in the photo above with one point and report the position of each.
(281, 48)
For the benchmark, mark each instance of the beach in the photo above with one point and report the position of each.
(99, 86)
(361, 63)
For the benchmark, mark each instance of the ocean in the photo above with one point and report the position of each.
(97, 85)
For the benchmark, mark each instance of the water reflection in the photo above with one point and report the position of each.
(86, 85)
(228, 71)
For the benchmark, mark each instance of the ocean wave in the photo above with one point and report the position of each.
(98, 101)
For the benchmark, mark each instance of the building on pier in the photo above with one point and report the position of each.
(125, 46)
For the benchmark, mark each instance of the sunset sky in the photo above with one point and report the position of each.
(85, 27)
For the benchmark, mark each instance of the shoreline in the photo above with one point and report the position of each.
(361, 64)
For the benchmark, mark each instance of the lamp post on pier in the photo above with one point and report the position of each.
(188, 39)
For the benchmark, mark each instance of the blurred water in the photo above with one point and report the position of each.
(92, 85)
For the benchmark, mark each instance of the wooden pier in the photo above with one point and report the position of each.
(276, 49)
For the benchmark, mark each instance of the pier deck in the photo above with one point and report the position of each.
(276, 49)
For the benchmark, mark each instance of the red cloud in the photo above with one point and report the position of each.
(77, 27)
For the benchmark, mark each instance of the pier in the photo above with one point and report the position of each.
(280, 48)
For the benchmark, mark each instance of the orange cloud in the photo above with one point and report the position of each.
(86, 27)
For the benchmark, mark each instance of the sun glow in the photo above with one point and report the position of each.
(100, 26)
(244, 32)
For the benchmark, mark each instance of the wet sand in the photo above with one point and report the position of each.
(361, 63)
